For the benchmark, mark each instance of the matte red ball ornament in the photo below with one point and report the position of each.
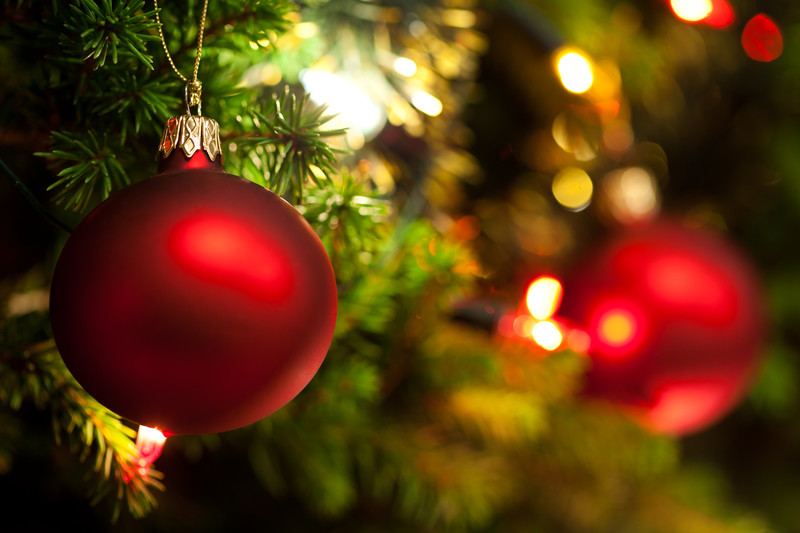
(674, 319)
(193, 301)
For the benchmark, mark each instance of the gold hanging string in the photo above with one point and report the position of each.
(194, 88)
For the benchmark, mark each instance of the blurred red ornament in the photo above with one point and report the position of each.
(674, 321)
(762, 39)
(193, 301)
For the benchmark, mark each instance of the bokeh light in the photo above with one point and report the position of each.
(631, 194)
(578, 341)
(543, 297)
(572, 188)
(574, 69)
(691, 10)
(427, 103)
(722, 15)
(547, 334)
(404, 66)
(617, 327)
(762, 39)
(352, 106)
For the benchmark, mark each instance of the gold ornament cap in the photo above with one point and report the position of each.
(190, 133)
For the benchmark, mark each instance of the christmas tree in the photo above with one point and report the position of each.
(446, 153)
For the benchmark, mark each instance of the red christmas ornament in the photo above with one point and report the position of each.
(674, 321)
(193, 301)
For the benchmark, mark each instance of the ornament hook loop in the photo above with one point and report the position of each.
(193, 94)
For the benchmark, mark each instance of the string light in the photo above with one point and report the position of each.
(691, 10)
(543, 297)
(404, 66)
(427, 103)
(574, 69)
(547, 335)
(149, 444)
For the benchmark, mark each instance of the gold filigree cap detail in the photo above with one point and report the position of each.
(191, 133)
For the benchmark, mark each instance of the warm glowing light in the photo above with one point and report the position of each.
(578, 341)
(631, 194)
(617, 327)
(427, 103)
(722, 14)
(762, 39)
(306, 30)
(458, 18)
(522, 325)
(404, 66)
(543, 297)
(575, 70)
(350, 104)
(691, 10)
(149, 444)
(572, 188)
(547, 335)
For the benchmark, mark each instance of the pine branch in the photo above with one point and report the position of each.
(31, 370)
(351, 221)
(90, 169)
(432, 481)
(109, 29)
(137, 102)
(289, 148)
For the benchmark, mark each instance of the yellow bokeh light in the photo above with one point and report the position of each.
(691, 10)
(427, 103)
(547, 335)
(574, 70)
(306, 30)
(543, 297)
(631, 194)
(404, 66)
(617, 328)
(572, 188)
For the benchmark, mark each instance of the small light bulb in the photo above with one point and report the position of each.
(149, 444)
(574, 70)
(547, 335)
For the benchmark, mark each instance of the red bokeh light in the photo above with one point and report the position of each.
(721, 16)
(617, 329)
(762, 39)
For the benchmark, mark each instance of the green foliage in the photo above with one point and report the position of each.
(138, 103)
(350, 221)
(112, 29)
(31, 370)
(288, 146)
(90, 168)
